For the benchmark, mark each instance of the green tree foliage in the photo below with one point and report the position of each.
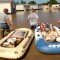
(17, 2)
(32, 2)
(52, 2)
(23, 2)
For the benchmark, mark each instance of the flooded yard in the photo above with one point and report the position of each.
(19, 20)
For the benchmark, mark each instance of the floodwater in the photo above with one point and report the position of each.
(19, 20)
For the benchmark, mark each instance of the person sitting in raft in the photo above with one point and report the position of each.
(48, 37)
(42, 29)
(8, 44)
(11, 42)
(52, 35)
(56, 35)
(53, 32)
(47, 25)
(44, 26)
(49, 33)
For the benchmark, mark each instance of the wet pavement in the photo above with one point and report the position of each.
(19, 20)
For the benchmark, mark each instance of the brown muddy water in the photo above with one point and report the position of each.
(19, 20)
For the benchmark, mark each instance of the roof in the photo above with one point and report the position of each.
(6, 1)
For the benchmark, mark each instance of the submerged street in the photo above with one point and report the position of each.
(19, 20)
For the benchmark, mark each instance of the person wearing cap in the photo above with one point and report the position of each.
(4, 21)
(33, 18)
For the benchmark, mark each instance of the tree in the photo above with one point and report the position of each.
(23, 2)
(17, 2)
(52, 2)
(32, 2)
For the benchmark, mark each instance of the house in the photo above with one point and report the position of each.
(46, 7)
(19, 7)
(53, 7)
(9, 4)
(22, 7)
(27, 7)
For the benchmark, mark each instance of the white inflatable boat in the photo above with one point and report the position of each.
(50, 45)
(15, 44)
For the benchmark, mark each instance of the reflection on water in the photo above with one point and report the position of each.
(51, 17)
(20, 18)
(52, 10)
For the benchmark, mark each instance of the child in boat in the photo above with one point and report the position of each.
(42, 29)
(52, 35)
(11, 42)
(56, 35)
(53, 32)
(47, 37)
(10, 45)
(49, 33)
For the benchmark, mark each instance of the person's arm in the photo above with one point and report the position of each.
(37, 18)
(58, 21)
(9, 23)
(28, 19)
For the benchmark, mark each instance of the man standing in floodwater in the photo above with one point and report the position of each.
(4, 21)
(33, 18)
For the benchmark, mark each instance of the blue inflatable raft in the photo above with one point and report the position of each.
(46, 47)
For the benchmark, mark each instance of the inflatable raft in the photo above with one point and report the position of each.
(15, 44)
(48, 47)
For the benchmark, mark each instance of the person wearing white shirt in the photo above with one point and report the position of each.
(4, 21)
(33, 19)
